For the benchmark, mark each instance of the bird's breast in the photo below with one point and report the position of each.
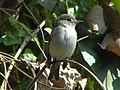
(63, 43)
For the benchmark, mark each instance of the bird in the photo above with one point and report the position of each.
(62, 43)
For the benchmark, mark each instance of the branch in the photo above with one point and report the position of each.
(37, 76)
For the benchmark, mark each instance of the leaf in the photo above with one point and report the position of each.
(117, 4)
(22, 85)
(18, 30)
(108, 81)
(10, 39)
(49, 6)
(62, 7)
(91, 84)
(95, 19)
(88, 58)
(1, 40)
(107, 39)
(12, 20)
(111, 42)
(112, 18)
(34, 2)
(28, 55)
(83, 83)
(25, 27)
(87, 49)
(104, 64)
(49, 30)
(111, 81)
(21, 31)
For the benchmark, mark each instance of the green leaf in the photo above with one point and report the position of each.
(87, 49)
(21, 31)
(88, 58)
(92, 85)
(12, 20)
(22, 85)
(111, 81)
(117, 4)
(49, 30)
(108, 80)
(1, 40)
(28, 55)
(104, 64)
(34, 2)
(10, 39)
(35, 39)
(24, 30)
(25, 27)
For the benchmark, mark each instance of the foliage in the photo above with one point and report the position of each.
(19, 19)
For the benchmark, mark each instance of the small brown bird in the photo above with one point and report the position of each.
(62, 42)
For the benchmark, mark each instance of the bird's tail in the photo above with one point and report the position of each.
(54, 71)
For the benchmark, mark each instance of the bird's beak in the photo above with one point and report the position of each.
(78, 21)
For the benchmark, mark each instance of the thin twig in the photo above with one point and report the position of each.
(34, 75)
(4, 85)
(8, 9)
(33, 81)
(82, 38)
(5, 11)
(5, 54)
(6, 81)
(43, 37)
(30, 12)
(39, 28)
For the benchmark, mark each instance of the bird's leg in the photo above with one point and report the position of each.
(65, 63)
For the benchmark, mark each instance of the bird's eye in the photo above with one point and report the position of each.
(68, 19)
